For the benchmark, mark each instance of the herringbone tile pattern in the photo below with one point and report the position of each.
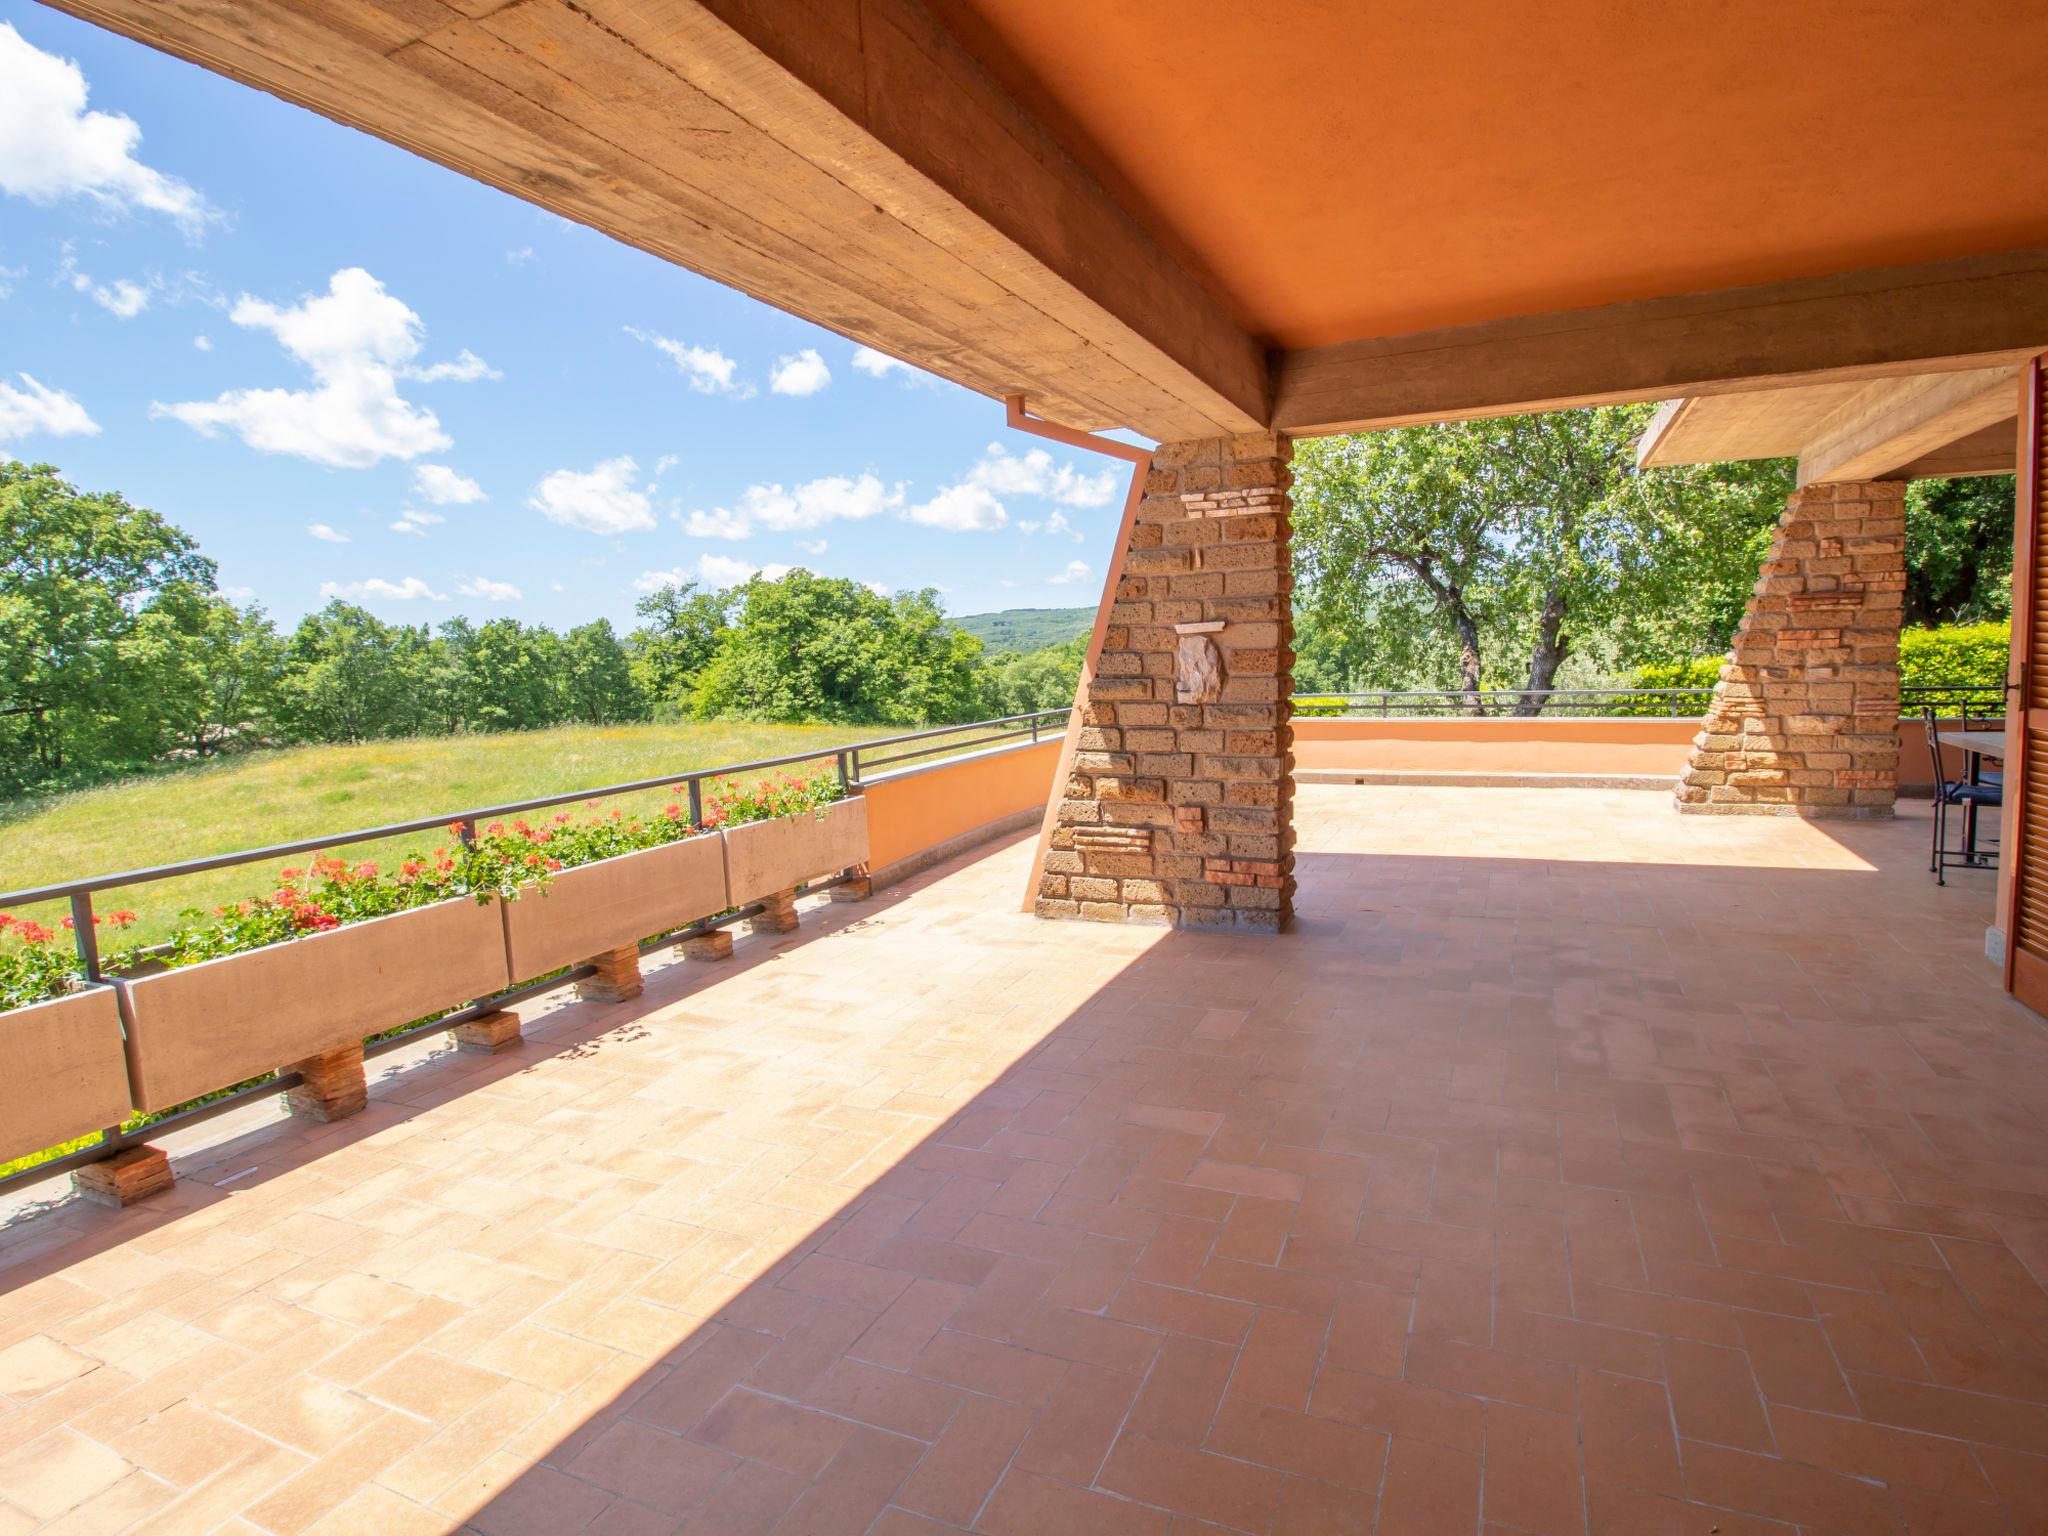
(1573, 1168)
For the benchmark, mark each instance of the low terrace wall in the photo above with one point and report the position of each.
(1461, 747)
(922, 816)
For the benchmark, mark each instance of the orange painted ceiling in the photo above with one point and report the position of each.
(1344, 168)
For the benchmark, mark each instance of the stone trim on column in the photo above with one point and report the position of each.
(1805, 718)
(1179, 806)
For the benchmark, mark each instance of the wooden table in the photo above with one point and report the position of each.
(1976, 747)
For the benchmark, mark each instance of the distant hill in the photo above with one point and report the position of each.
(1027, 629)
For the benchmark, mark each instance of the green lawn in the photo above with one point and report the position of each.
(304, 792)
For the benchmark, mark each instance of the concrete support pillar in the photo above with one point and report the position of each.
(498, 1031)
(1179, 808)
(617, 978)
(777, 914)
(124, 1178)
(1805, 718)
(333, 1086)
(713, 944)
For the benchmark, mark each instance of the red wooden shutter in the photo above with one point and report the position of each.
(2026, 947)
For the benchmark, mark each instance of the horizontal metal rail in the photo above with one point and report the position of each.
(851, 752)
(1580, 701)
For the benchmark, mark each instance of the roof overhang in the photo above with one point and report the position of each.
(1957, 421)
(1191, 219)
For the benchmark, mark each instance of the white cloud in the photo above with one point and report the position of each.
(236, 594)
(601, 500)
(804, 373)
(723, 572)
(403, 591)
(1077, 570)
(963, 508)
(831, 498)
(52, 148)
(811, 546)
(879, 365)
(1035, 474)
(327, 535)
(444, 487)
(491, 591)
(709, 370)
(203, 343)
(9, 276)
(717, 523)
(522, 256)
(416, 522)
(356, 340)
(1057, 523)
(879, 588)
(37, 408)
(711, 570)
(124, 298)
(467, 368)
(665, 463)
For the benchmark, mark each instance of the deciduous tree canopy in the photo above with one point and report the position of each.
(1486, 553)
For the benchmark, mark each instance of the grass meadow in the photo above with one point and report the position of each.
(295, 793)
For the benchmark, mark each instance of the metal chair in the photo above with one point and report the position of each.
(1973, 797)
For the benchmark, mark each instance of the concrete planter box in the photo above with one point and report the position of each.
(762, 857)
(61, 1071)
(207, 1026)
(618, 901)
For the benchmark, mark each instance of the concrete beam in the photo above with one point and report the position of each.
(1892, 422)
(849, 163)
(1974, 313)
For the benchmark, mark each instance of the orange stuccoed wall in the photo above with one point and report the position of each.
(915, 812)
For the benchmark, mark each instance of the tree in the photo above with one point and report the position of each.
(1959, 550)
(515, 677)
(199, 673)
(1023, 682)
(813, 648)
(1453, 548)
(75, 569)
(597, 678)
(351, 677)
(683, 630)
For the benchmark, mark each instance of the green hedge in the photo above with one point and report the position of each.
(1955, 656)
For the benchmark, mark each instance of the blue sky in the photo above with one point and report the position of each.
(347, 371)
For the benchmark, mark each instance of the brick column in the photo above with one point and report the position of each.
(1179, 809)
(1805, 718)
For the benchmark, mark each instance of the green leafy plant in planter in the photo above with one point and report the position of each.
(500, 858)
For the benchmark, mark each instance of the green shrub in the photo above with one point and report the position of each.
(1954, 656)
(1697, 672)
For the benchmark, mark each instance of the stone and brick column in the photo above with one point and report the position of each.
(1179, 806)
(1805, 718)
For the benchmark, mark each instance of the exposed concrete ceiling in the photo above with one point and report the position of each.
(1339, 169)
(1914, 426)
(1197, 216)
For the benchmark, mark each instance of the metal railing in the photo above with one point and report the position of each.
(1596, 703)
(1388, 703)
(853, 763)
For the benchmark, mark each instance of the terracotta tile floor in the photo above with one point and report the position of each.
(1573, 1167)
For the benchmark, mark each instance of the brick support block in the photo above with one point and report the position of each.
(777, 915)
(617, 978)
(853, 888)
(1804, 721)
(334, 1085)
(493, 1032)
(126, 1177)
(715, 944)
(1179, 804)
